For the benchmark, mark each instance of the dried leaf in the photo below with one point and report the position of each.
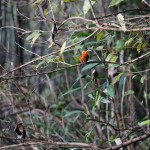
(121, 21)
(118, 141)
(63, 47)
(35, 38)
(87, 6)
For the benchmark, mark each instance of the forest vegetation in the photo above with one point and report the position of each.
(74, 74)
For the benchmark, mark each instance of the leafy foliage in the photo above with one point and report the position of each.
(115, 2)
(54, 95)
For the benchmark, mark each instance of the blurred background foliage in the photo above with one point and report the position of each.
(44, 86)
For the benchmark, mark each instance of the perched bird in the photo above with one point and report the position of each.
(94, 74)
(84, 57)
(20, 131)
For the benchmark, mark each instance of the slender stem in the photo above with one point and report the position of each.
(122, 100)
(51, 10)
(93, 10)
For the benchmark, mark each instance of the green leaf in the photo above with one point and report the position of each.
(96, 99)
(117, 78)
(32, 35)
(112, 58)
(70, 91)
(87, 6)
(111, 138)
(72, 113)
(87, 136)
(99, 36)
(115, 65)
(86, 85)
(120, 44)
(35, 38)
(76, 80)
(144, 45)
(58, 59)
(115, 2)
(89, 66)
(129, 92)
(110, 38)
(76, 58)
(37, 1)
(104, 100)
(45, 11)
(91, 96)
(128, 42)
(45, 60)
(144, 123)
(77, 36)
(134, 45)
(142, 79)
(139, 47)
(109, 91)
(100, 47)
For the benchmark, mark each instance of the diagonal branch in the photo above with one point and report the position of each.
(136, 59)
(143, 137)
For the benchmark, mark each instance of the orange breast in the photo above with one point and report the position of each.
(84, 57)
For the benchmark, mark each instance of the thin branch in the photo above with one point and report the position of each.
(53, 144)
(92, 10)
(137, 72)
(22, 30)
(29, 51)
(13, 28)
(122, 102)
(127, 30)
(51, 10)
(106, 26)
(136, 59)
(124, 144)
(114, 14)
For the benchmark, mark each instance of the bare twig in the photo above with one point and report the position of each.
(136, 59)
(140, 138)
(92, 10)
(107, 26)
(51, 10)
(53, 144)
